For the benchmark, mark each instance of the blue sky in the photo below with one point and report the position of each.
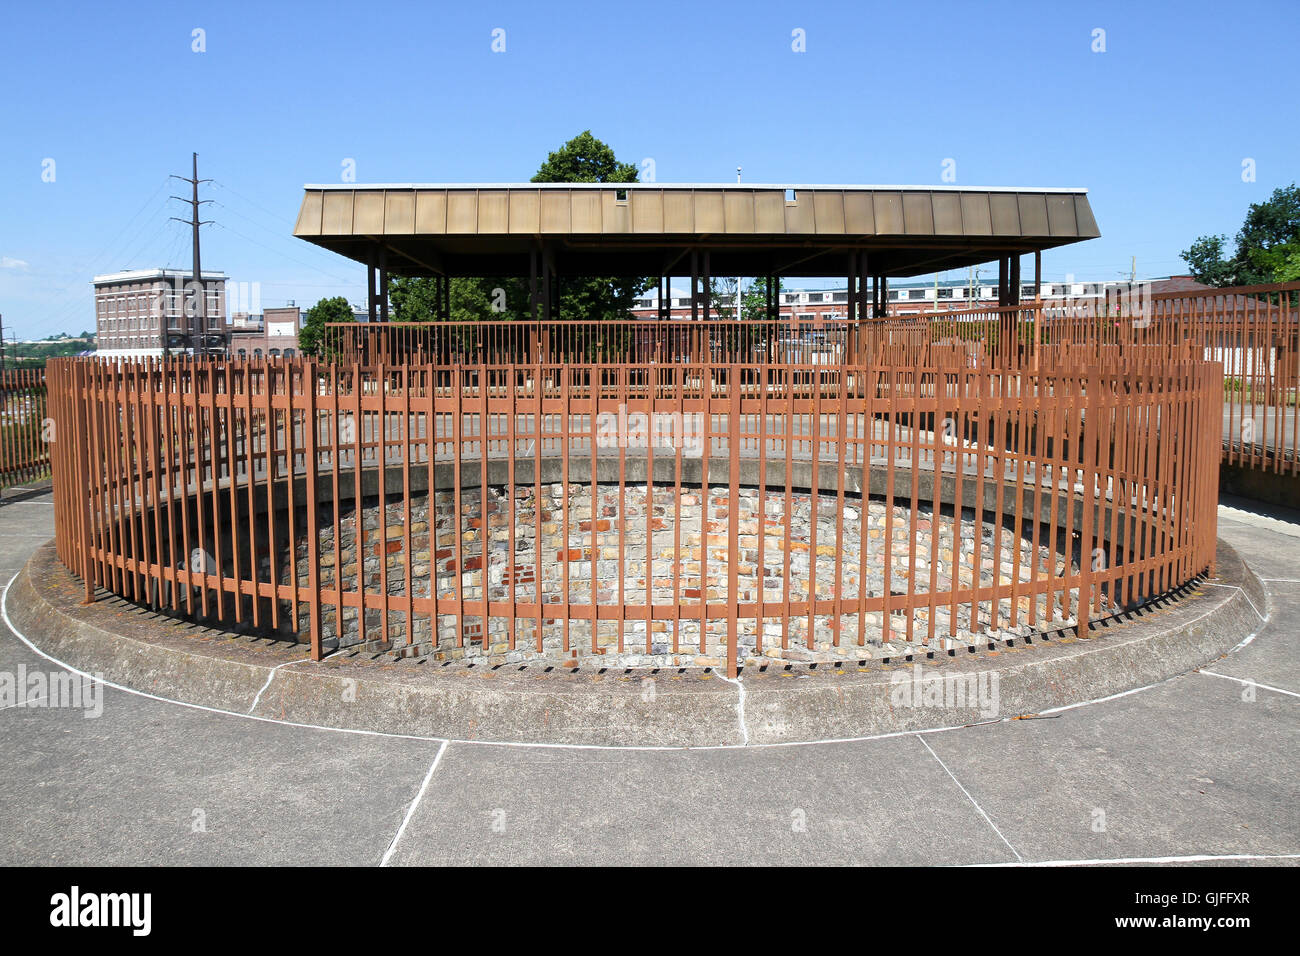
(1157, 126)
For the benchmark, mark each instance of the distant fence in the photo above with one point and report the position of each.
(24, 443)
(1253, 332)
(725, 510)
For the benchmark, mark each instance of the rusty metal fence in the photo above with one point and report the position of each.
(24, 442)
(723, 511)
(1253, 332)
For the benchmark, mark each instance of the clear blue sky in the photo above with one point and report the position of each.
(1156, 127)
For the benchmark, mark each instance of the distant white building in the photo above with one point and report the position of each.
(909, 298)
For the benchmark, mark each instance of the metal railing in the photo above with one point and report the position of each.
(24, 439)
(725, 510)
(1254, 332)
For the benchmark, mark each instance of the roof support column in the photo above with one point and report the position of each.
(695, 285)
(383, 284)
(1038, 303)
(851, 302)
(1015, 279)
(532, 285)
(546, 286)
(372, 298)
(863, 292)
(708, 286)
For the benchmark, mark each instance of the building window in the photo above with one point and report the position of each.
(916, 293)
(620, 195)
(945, 293)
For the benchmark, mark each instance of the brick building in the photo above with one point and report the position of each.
(270, 334)
(134, 308)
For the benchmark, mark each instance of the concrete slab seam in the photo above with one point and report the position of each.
(1247, 681)
(410, 811)
(975, 804)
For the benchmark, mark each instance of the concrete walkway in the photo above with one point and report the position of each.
(1200, 766)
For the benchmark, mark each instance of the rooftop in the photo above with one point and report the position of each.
(640, 229)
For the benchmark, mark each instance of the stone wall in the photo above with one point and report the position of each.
(678, 546)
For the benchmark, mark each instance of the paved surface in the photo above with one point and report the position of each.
(1201, 765)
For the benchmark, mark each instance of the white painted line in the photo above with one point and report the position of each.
(542, 745)
(270, 677)
(1250, 683)
(740, 707)
(1233, 587)
(971, 799)
(410, 811)
(1194, 858)
(24, 703)
(1281, 580)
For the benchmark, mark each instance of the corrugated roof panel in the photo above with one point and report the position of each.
(918, 214)
(430, 212)
(1033, 215)
(399, 213)
(947, 214)
(524, 212)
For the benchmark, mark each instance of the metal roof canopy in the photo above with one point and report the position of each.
(644, 229)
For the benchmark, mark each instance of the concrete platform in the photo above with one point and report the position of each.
(687, 707)
(1194, 770)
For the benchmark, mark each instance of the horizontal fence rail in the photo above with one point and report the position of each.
(726, 510)
(24, 438)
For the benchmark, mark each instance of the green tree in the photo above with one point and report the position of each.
(1289, 269)
(585, 159)
(753, 298)
(1265, 244)
(415, 299)
(311, 339)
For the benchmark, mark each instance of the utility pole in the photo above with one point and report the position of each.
(2, 343)
(194, 222)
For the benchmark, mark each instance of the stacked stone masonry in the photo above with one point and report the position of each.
(675, 554)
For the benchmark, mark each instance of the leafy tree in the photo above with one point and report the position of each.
(1265, 244)
(1289, 269)
(415, 299)
(753, 298)
(311, 339)
(585, 159)
(1206, 261)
